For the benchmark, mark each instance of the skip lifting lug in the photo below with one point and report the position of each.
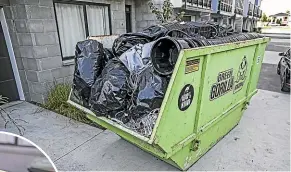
(246, 105)
(195, 145)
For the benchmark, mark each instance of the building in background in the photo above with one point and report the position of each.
(284, 18)
(38, 39)
(252, 14)
(241, 14)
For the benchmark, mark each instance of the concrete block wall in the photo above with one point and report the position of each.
(34, 38)
(144, 16)
(33, 32)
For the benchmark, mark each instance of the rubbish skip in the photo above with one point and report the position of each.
(175, 95)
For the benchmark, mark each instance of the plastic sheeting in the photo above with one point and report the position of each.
(126, 41)
(110, 90)
(128, 89)
(148, 94)
(89, 60)
(143, 125)
(148, 87)
(155, 32)
(108, 54)
(113, 89)
(136, 59)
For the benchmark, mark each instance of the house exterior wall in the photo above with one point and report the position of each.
(238, 24)
(34, 37)
(144, 16)
(4, 2)
(177, 3)
(285, 19)
(33, 32)
(250, 19)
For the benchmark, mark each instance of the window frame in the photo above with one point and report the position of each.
(187, 16)
(226, 5)
(84, 4)
(130, 13)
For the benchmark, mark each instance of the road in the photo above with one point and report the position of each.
(269, 80)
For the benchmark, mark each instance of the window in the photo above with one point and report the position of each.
(200, 3)
(186, 18)
(128, 18)
(78, 20)
(239, 7)
(226, 5)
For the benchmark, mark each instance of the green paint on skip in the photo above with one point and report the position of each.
(223, 77)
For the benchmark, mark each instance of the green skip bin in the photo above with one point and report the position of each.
(208, 92)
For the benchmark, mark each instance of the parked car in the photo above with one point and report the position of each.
(283, 70)
(41, 164)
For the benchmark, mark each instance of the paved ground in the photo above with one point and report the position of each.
(269, 79)
(260, 142)
(277, 30)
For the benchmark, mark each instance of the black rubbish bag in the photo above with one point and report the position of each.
(128, 40)
(108, 54)
(81, 91)
(110, 90)
(148, 94)
(137, 58)
(155, 32)
(89, 62)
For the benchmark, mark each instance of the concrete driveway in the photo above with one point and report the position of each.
(260, 142)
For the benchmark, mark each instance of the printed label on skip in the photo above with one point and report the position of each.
(192, 66)
(186, 97)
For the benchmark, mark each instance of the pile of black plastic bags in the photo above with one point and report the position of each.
(128, 82)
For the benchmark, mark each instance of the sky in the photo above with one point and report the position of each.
(271, 7)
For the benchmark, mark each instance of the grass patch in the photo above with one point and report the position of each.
(57, 102)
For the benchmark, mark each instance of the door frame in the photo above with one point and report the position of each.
(11, 54)
(130, 17)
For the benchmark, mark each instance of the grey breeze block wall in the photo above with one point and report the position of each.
(33, 33)
(144, 17)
